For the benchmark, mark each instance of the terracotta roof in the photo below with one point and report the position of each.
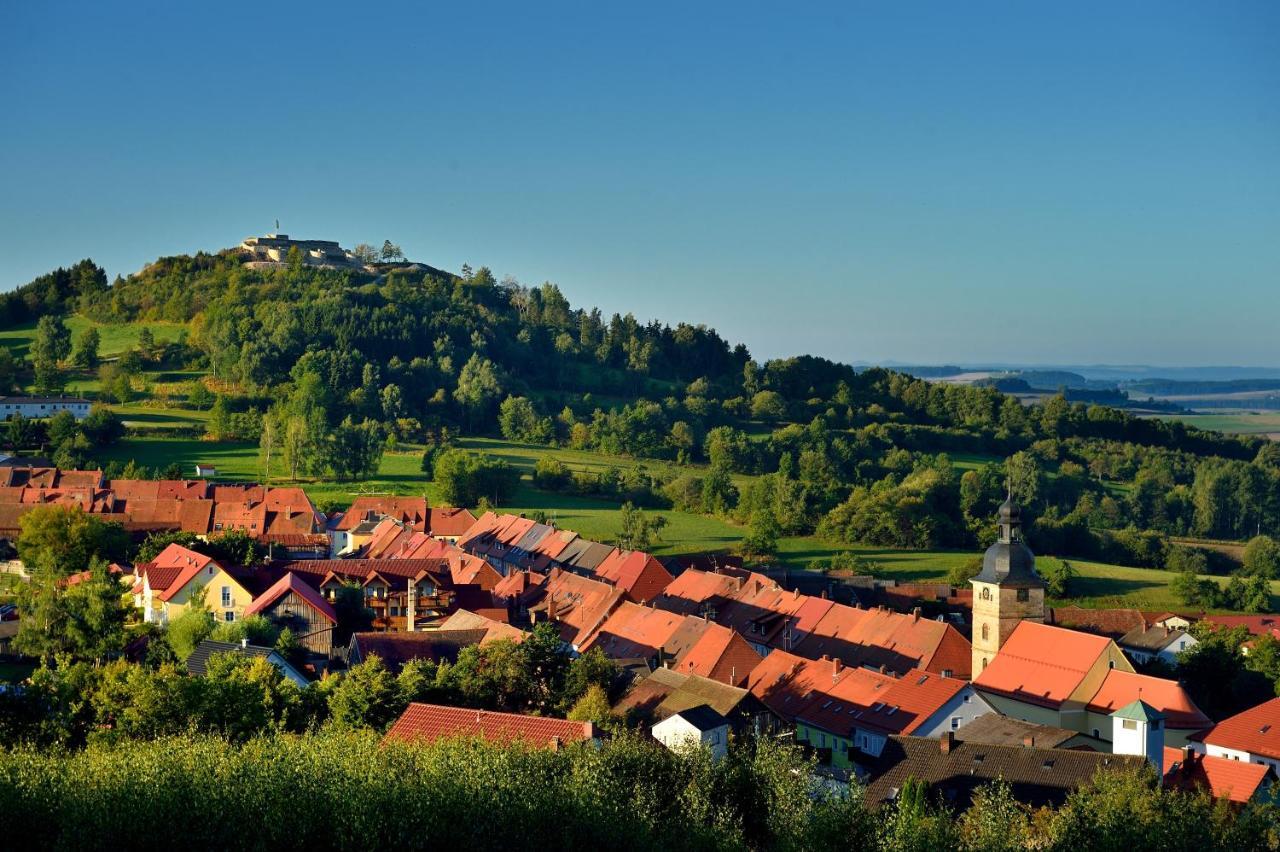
(411, 511)
(1256, 731)
(464, 619)
(719, 654)
(517, 584)
(359, 569)
(173, 568)
(1037, 776)
(577, 605)
(693, 591)
(1258, 625)
(881, 637)
(1120, 688)
(637, 573)
(1041, 664)
(1234, 780)
(292, 583)
(449, 522)
(428, 722)
(631, 630)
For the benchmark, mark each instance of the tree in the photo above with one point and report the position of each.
(188, 630)
(365, 253)
(67, 538)
(478, 387)
(519, 421)
(960, 575)
(200, 397)
(1025, 478)
(83, 617)
(390, 251)
(1057, 574)
(353, 615)
(464, 477)
(1192, 590)
(1262, 557)
(768, 405)
(52, 342)
(102, 427)
(593, 706)
(85, 353)
(638, 531)
(762, 534)
(267, 443)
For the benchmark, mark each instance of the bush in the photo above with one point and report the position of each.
(551, 474)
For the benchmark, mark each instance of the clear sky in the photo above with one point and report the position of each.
(922, 182)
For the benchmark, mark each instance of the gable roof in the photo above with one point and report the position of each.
(701, 717)
(188, 564)
(719, 654)
(295, 584)
(411, 511)
(197, 663)
(1042, 664)
(954, 768)
(1234, 780)
(637, 573)
(1151, 638)
(1105, 622)
(1256, 731)
(396, 649)
(665, 691)
(996, 729)
(631, 631)
(881, 637)
(1121, 688)
(464, 619)
(428, 722)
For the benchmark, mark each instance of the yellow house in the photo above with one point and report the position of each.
(178, 577)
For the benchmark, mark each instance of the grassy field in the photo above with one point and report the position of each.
(1238, 424)
(116, 338)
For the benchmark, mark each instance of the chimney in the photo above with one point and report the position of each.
(947, 742)
(1188, 754)
(556, 743)
(411, 607)
(915, 614)
(836, 666)
(551, 607)
(1029, 741)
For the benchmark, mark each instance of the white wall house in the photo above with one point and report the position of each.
(1156, 643)
(693, 727)
(33, 407)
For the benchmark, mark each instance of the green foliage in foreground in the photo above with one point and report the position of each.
(348, 790)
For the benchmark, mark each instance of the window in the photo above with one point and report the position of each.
(986, 631)
(1095, 733)
(226, 596)
(986, 593)
(228, 616)
(1023, 595)
(1129, 724)
(955, 723)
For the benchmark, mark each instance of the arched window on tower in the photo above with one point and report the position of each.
(986, 631)
(986, 593)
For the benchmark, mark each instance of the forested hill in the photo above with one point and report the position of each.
(421, 356)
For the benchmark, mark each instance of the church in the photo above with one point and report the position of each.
(1051, 675)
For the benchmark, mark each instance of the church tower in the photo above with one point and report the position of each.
(1007, 590)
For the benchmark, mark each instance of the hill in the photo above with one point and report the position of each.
(328, 375)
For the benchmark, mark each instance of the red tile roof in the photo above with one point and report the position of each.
(1120, 688)
(638, 574)
(631, 631)
(719, 654)
(448, 522)
(429, 722)
(411, 511)
(1256, 731)
(1233, 780)
(881, 637)
(1041, 664)
(292, 583)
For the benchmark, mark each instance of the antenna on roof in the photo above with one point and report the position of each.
(277, 226)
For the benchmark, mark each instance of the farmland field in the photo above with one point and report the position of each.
(1238, 424)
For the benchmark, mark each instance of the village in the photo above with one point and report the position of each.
(707, 652)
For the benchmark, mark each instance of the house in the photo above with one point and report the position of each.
(1112, 623)
(1252, 736)
(994, 729)
(396, 649)
(1064, 678)
(576, 605)
(665, 691)
(205, 471)
(493, 628)
(177, 577)
(34, 407)
(1152, 642)
(952, 769)
(842, 711)
(694, 727)
(640, 576)
(198, 662)
(293, 603)
(353, 529)
(1236, 781)
(719, 654)
(431, 722)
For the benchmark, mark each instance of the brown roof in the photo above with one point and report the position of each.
(396, 649)
(1106, 622)
(995, 729)
(953, 769)
(666, 691)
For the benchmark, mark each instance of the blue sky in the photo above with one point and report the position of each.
(922, 182)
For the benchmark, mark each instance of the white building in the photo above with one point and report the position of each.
(1157, 642)
(1138, 728)
(1249, 737)
(696, 726)
(33, 407)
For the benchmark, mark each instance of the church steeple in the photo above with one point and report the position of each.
(1007, 590)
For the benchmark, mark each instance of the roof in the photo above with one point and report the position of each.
(836, 698)
(429, 722)
(1234, 780)
(576, 604)
(1121, 688)
(396, 649)
(701, 717)
(466, 620)
(174, 568)
(720, 654)
(1108, 622)
(637, 573)
(1256, 731)
(198, 662)
(408, 510)
(292, 583)
(1138, 711)
(665, 691)
(1042, 664)
(880, 637)
(448, 521)
(1009, 562)
(1153, 639)
(995, 729)
(955, 768)
(631, 630)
